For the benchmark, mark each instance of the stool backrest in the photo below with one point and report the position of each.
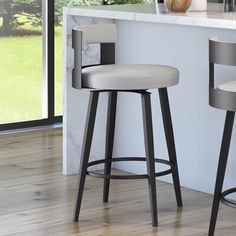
(223, 53)
(104, 34)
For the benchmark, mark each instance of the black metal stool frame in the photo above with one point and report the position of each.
(221, 53)
(107, 54)
(149, 148)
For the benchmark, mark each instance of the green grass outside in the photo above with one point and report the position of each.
(58, 71)
(21, 77)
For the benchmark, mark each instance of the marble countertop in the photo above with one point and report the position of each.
(214, 17)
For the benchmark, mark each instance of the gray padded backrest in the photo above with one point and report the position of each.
(82, 35)
(223, 53)
(100, 33)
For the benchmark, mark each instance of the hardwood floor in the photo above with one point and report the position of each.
(36, 200)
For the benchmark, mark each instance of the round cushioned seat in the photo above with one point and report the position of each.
(129, 77)
(229, 86)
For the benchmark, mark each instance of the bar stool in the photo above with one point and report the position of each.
(113, 78)
(222, 97)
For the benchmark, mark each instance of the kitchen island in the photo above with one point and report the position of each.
(149, 34)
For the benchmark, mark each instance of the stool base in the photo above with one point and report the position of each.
(224, 152)
(149, 149)
(226, 201)
(132, 176)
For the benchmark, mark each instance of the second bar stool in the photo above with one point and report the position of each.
(222, 97)
(113, 78)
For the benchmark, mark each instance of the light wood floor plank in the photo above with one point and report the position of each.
(36, 200)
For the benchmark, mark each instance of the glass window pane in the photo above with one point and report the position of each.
(20, 60)
(58, 70)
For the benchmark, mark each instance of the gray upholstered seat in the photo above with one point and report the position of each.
(229, 86)
(129, 77)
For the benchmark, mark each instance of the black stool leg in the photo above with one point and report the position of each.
(166, 115)
(87, 141)
(110, 130)
(221, 169)
(149, 148)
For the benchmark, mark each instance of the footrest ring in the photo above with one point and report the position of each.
(120, 159)
(226, 201)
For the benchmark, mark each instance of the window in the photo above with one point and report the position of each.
(26, 63)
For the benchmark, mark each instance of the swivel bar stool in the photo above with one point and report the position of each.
(222, 97)
(113, 78)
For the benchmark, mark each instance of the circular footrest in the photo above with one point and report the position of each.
(120, 159)
(226, 201)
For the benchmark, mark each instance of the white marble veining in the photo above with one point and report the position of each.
(75, 101)
(214, 17)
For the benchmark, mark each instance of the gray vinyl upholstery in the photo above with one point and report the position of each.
(100, 33)
(221, 52)
(229, 86)
(129, 77)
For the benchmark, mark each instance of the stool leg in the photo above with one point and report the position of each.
(221, 169)
(149, 148)
(87, 141)
(166, 115)
(110, 130)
